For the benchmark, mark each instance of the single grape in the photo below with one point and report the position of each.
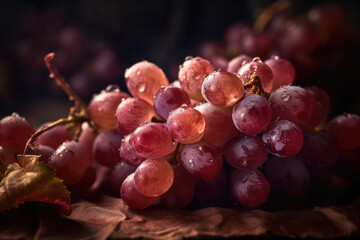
(244, 152)
(15, 132)
(152, 140)
(118, 176)
(105, 148)
(106, 66)
(70, 161)
(252, 114)
(186, 125)
(236, 63)
(44, 151)
(144, 79)
(169, 98)
(260, 69)
(133, 112)
(346, 130)
(288, 177)
(319, 149)
(256, 44)
(54, 137)
(283, 71)
(222, 88)
(182, 190)
(292, 103)
(219, 127)
(234, 35)
(192, 74)
(201, 159)
(153, 177)
(103, 106)
(249, 187)
(283, 138)
(131, 196)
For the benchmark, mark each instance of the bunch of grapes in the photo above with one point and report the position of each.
(238, 134)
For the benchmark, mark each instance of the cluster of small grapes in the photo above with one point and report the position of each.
(319, 39)
(88, 63)
(245, 129)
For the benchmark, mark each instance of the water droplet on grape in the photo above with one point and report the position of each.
(51, 75)
(285, 97)
(276, 57)
(191, 162)
(188, 58)
(141, 87)
(112, 88)
(257, 59)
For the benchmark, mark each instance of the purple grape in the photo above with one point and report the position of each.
(105, 148)
(283, 138)
(7, 156)
(118, 176)
(249, 187)
(244, 152)
(44, 151)
(201, 159)
(128, 154)
(169, 98)
(55, 137)
(283, 70)
(252, 114)
(236, 63)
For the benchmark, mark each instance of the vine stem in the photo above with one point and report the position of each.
(256, 87)
(268, 13)
(79, 104)
(172, 160)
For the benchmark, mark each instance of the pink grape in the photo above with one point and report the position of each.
(346, 130)
(182, 190)
(133, 112)
(128, 154)
(70, 161)
(55, 137)
(244, 152)
(103, 106)
(260, 69)
(283, 138)
(201, 159)
(82, 188)
(235, 64)
(292, 103)
(131, 196)
(153, 177)
(191, 76)
(105, 147)
(283, 71)
(256, 44)
(219, 127)
(169, 98)
(222, 88)
(186, 125)
(249, 187)
(152, 140)
(15, 132)
(252, 114)
(144, 79)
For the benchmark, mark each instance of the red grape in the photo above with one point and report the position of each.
(106, 147)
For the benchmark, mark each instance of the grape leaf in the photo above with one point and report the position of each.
(31, 180)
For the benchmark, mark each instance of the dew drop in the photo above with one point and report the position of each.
(285, 97)
(141, 87)
(191, 162)
(257, 59)
(188, 58)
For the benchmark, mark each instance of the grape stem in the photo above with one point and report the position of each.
(256, 87)
(268, 14)
(78, 114)
(172, 159)
(79, 104)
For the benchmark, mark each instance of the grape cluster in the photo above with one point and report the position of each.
(241, 134)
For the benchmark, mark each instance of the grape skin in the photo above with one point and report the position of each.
(201, 159)
(283, 138)
(222, 88)
(153, 177)
(105, 147)
(186, 125)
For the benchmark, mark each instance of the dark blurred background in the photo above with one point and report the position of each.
(95, 41)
